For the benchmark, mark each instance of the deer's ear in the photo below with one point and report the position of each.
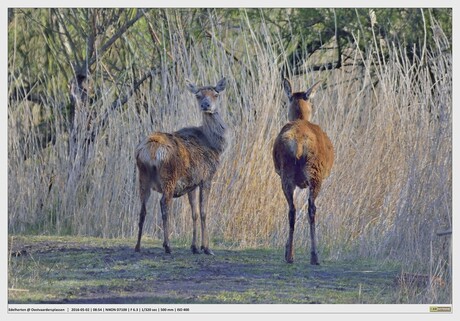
(191, 87)
(221, 85)
(310, 93)
(287, 87)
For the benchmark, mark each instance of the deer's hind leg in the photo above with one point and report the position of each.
(144, 193)
(165, 204)
(315, 186)
(288, 189)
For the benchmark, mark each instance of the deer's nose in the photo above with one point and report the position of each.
(205, 105)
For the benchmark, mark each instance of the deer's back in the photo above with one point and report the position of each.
(197, 147)
(181, 160)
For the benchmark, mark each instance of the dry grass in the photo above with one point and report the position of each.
(389, 193)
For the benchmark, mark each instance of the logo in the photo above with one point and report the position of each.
(440, 309)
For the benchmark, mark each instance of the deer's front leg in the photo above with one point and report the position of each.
(193, 200)
(205, 189)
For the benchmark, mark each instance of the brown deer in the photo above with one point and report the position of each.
(303, 157)
(175, 164)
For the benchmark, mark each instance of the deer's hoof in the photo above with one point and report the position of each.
(167, 249)
(288, 255)
(314, 259)
(194, 249)
(137, 248)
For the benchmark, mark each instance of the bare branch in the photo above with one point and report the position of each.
(67, 42)
(117, 35)
(121, 101)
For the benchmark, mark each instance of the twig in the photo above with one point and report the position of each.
(444, 233)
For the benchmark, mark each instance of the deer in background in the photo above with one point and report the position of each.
(303, 157)
(175, 164)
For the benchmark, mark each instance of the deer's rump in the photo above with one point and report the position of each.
(303, 149)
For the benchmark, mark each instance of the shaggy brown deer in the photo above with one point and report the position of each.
(303, 157)
(175, 164)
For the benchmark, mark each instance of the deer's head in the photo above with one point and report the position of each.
(207, 96)
(300, 106)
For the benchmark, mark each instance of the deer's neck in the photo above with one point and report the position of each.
(215, 130)
(300, 110)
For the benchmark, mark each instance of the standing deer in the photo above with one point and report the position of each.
(303, 157)
(175, 164)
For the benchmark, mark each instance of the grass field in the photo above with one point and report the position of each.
(72, 270)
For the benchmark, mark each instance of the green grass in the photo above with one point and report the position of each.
(92, 270)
